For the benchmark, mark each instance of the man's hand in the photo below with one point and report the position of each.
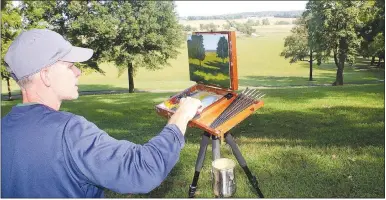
(188, 108)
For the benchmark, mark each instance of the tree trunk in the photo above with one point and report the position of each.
(9, 90)
(379, 61)
(339, 72)
(310, 65)
(372, 60)
(339, 76)
(130, 73)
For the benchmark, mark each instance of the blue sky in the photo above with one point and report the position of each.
(211, 40)
(206, 8)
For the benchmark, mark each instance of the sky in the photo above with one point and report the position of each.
(211, 40)
(207, 8)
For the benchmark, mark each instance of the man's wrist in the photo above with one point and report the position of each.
(180, 120)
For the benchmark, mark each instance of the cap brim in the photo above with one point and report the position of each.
(78, 54)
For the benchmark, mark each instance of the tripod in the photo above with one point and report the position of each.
(215, 155)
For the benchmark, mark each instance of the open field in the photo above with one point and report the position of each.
(324, 142)
(259, 65)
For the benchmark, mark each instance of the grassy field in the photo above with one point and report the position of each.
(259, 65)
(325, 142)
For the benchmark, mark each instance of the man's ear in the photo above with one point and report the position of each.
(45, 77)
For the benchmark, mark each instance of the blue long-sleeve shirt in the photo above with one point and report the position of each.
(48, 153)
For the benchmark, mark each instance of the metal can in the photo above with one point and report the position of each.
(223, 177)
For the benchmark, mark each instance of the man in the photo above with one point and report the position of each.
(50, 153)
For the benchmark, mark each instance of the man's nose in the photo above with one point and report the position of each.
(76, 71)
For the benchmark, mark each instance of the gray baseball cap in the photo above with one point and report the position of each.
(38, 48)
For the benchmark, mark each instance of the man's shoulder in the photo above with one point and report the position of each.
(39, 112)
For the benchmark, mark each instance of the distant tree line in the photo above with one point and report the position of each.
(243, 15)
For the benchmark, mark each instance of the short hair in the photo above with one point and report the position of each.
(23, 83)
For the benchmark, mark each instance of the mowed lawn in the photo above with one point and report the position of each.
(259, 65)
(325, 142)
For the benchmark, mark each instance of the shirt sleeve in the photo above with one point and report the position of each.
(120, 165)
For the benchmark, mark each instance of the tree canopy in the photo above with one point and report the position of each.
(332, 26)
(130, 34)
(298, 46)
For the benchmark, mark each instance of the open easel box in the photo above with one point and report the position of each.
(213, 66)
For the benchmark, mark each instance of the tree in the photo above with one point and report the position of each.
(282, 23)
(129, 34)
(332, 25)
(197, 50)
(202, 27)
(188, 28)
(226, 26)
(210, 27)
(148, 35)
(372, 30)
(11, 27)
(246, 28)
(222, 48)
(82, 23)
(265, 21)
(297, 46)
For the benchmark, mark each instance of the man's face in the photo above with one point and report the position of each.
(64, 80)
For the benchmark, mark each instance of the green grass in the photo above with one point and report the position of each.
(259, 64)
(325, 142)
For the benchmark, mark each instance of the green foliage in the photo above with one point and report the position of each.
(91, 25)
(187, 28)
(148, 34)
(226, 26)
(79, 22)
(296, 46)
(332, 26)
(222, 48)
(265, 21)
(372, 28)
(245, 28)
(209, 27)
(282, 23)
(10, 28)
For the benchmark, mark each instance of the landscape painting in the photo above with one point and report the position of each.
(209, 59)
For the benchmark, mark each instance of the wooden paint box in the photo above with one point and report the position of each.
(213, 66)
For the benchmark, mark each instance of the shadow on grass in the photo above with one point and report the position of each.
(361, 64)
(97, 87)
(370, 76)
(336, 126)
(274, 81)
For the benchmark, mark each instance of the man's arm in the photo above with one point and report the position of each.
(120, 165)
(123, 166)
